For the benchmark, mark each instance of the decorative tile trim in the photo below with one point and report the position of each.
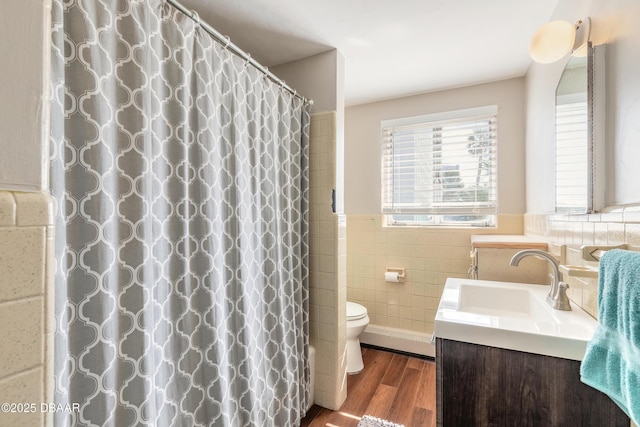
(33, 209)
(25, 209)
(7, 209)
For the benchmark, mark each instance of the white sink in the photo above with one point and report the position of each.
(510, 315)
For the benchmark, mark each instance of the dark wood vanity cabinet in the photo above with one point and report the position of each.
(489, 386)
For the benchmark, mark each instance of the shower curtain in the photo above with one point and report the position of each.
(180, 174)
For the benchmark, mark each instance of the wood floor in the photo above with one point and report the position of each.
(392, 386)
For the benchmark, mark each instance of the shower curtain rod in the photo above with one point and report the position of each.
(226, 41)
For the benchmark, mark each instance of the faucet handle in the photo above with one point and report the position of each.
(561, 301)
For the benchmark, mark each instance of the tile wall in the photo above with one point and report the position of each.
(429, 255)
(614, 227)
(26, 306)
(328, 267)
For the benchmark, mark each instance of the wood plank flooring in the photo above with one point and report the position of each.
(392, 386)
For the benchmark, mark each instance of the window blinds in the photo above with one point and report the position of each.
(441, 164)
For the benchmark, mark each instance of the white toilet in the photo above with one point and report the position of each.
(357, 321)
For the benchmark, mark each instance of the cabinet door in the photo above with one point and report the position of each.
(488, 386)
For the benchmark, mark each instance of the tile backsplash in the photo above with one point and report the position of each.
(615, 226)
(26, 312)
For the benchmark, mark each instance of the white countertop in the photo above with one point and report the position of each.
(513, 316)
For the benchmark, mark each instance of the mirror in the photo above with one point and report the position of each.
(578, 152)
(572, 157)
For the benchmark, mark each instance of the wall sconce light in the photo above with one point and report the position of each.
(555, 39)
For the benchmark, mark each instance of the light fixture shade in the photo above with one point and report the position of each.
(552, 41)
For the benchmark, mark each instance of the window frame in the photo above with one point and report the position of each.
(433, 215)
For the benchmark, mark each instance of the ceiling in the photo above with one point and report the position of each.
(391, 48)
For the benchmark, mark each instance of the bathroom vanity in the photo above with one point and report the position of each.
(504, 357)
(489, 386)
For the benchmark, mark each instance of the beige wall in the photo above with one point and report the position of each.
(362, 140)
(24, 110)
(26, 306)
(315, 77)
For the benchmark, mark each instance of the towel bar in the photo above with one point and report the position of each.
(593, 253)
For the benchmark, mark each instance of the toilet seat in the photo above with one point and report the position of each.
(355, 311)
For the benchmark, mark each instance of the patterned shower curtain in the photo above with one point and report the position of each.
(181, 179)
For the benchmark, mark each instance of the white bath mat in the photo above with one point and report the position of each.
(369, 421)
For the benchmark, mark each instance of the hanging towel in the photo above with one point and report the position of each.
(612, 361)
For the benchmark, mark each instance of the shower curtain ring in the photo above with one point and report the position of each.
(228, 41)
(195, 17)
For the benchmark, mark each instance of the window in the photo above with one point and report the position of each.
(440, 169)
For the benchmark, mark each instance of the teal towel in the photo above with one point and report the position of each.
(612, 361)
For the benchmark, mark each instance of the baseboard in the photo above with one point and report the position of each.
(399, 339)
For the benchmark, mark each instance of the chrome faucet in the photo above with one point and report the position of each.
(557, 296)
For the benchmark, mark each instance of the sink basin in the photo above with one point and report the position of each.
(513, 316)
(498, 301)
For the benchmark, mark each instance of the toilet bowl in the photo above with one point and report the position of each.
(357, 321)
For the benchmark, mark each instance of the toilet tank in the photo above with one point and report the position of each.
(490, 256)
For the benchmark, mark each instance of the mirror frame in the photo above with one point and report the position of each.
(596, 126)
(595, 200)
